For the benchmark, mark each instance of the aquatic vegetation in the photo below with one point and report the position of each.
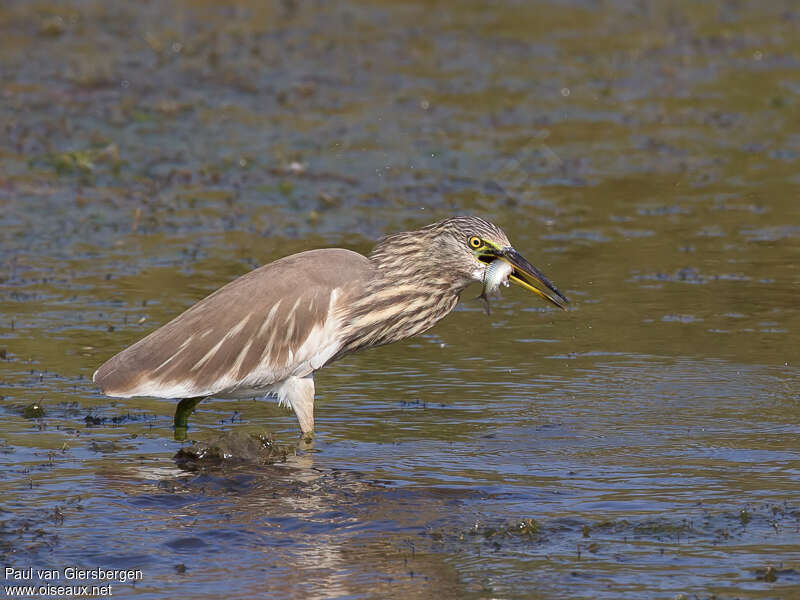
(232, 447)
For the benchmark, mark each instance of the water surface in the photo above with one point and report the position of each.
(641, 444)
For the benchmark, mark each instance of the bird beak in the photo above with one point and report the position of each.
(529, 277)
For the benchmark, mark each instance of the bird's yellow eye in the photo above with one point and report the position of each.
(475, 242)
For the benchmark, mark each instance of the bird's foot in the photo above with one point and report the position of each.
(306, 441)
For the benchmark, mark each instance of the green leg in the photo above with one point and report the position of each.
(182, 412)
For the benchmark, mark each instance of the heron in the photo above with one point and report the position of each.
(267, 332)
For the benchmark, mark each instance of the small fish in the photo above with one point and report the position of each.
(496, 275)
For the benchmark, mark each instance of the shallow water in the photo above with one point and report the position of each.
(641, 444)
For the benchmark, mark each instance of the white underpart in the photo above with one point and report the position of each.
(479, 273)
(183, 389)
(298, 392)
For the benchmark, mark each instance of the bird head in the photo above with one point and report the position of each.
(465, 246)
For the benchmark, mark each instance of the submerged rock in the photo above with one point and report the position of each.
(232, 448)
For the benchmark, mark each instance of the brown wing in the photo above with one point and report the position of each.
(276, 321)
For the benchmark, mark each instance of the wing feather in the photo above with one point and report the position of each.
(279, 320)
